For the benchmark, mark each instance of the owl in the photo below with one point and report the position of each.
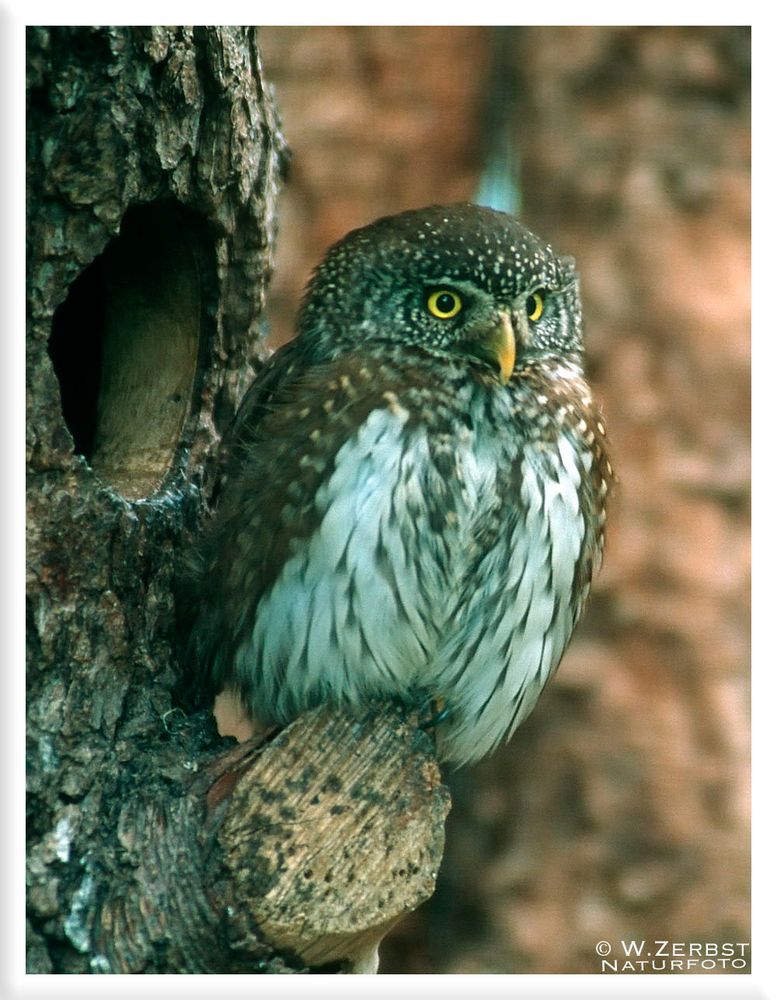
(414, 494)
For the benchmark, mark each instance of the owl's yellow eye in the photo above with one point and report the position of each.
(535, 305)
(444, 303)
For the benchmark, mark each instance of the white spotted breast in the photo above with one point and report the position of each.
(422, 580)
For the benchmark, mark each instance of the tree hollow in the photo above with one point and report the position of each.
(125, 346)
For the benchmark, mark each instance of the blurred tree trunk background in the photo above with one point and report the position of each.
(621, 809)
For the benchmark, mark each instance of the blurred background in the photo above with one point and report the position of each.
(620, 810)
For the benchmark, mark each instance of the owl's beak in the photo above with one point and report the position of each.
(504, 346)
(496, 345)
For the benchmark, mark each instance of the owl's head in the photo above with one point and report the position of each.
(461, 279)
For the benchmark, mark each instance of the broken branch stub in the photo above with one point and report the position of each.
(334, 832)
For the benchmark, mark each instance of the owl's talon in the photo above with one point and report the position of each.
(433, 713)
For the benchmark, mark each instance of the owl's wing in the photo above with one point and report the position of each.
(277, 372)
(282, 448)
(195, 587)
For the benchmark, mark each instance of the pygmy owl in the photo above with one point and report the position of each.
(414, 497)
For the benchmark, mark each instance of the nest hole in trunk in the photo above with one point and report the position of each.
(125, 346)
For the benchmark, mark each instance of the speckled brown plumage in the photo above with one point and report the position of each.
(415, 490)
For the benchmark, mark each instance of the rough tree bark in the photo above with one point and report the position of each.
(154, 162)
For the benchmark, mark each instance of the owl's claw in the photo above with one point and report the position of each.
(429, 710)
(434, 711)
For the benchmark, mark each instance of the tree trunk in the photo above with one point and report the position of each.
(154, 162)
